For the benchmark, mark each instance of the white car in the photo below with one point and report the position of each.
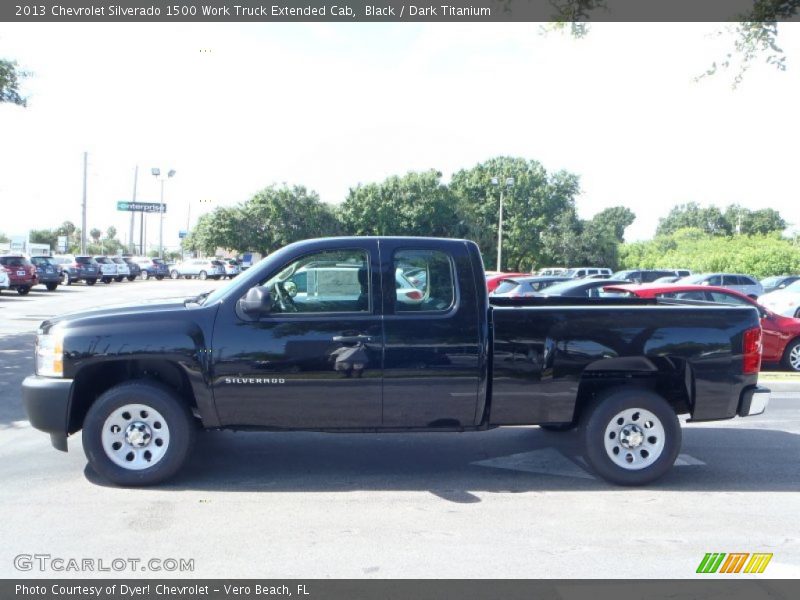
(231, 267)
(785, 302)
(202, 268)
(108, 268)
(123, 270)
(4, 282)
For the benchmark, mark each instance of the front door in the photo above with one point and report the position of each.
(316, 360)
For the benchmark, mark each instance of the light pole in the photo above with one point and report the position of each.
(509, 185)
(157, 174)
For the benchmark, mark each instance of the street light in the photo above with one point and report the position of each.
(509, 185)
(157, 174)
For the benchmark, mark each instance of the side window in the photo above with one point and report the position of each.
(728, 299)
(715, 280)
(423, 281)
(328, 281)
(746, 281)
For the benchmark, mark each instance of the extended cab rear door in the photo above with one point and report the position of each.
(432, 360)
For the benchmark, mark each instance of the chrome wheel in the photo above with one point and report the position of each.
(794, 358)
(634, 439)
(135, 437)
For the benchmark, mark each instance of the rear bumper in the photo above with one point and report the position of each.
(46, 402)
(754, 401)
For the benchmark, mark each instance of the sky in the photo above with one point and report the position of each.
(233, 108)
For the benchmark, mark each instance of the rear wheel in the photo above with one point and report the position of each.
(23, 290)
(131, 277)
(174, 274)
(91, 281)
(145, 275)
(119, 279)
(202, 275)
(65, 279)
(160, 277)
(630, 437)
(107, 279)
(138, 433)
(791, 356)
(51, 287)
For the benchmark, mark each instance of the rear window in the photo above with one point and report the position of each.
(14, 261)
(84, 260)
(506, 286)
(103, 260)
(217, 263)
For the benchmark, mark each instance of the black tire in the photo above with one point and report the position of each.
(51, 287)
(558, 427)
(202, 275)
(131, 277)
(107, 279)
(791, 356)
(23, 290)
(145, 275)
(179, 424)
(159, 277)
(602, 414)
(174, 274)
(91, 281)
(119, 279)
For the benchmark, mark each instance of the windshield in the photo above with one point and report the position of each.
(560, 288)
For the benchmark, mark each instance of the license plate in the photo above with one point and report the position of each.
(21, 273)
(49, 270)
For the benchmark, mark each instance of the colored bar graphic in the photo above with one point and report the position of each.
(734, 562)
(758, 562)
(710, 562)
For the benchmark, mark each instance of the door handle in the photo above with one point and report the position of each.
(351, 339)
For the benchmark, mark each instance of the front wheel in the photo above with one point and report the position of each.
(91, 281)
(202, 275)
(145, 275)
(131, 277)
(107, 279)
(791, 356)
(65, 279)
(119, 279)
(174, 274)
(51, 287)
(23, 291)
(138, 433)
(630, 436)
(160, 277)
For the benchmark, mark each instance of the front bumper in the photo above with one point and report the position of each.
(754, 401)
(46, 402)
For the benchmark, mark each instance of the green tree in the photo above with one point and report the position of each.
(614, 220)
(10, 77)
(414, 204)
(531, 207)
(709, 219)
(746, 222)
(44, 236)
(4, 239)
(111, 232)
(95, 234)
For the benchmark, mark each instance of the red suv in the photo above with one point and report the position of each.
(21, 273)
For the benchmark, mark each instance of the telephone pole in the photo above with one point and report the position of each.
(83, 206)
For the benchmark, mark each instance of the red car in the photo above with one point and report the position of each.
(21, 273)
(493, 280)
(781, 340)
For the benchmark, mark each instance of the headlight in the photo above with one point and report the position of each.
(50, 354)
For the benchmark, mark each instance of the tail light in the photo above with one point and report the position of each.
(751, 363)
(76, 265)
(414, 295)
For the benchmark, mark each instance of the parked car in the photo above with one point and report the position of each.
(779, 282)
(785, 302)
(551, 271)
(643, 275)
(123, 270)
(152, 267)
(623, 375)
(108, 268)
(583, 288)
(781, 339)
(48, 271)
(581, 272)
(133, 266)
(4, 280)
(21, 273)
(521, 287)
(232, 268)
(78, 268)
(492, 281)
(749, 286)
(202, 268)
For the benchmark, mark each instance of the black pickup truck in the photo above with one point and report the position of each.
(388, 334)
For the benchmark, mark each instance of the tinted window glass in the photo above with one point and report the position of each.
(436, 291)
(727, 299)
(716, 280)
(506, 286)
(14, 261)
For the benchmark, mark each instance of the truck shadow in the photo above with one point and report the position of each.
(719, 459)
(16, 363)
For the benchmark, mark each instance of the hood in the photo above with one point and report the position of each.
(141, 310)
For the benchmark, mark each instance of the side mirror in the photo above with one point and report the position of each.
(256, 302)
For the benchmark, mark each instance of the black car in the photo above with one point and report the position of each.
(583, 288)
(134, 267)
(779, 282)
(48, 272)
(644, 275)
(78, 268)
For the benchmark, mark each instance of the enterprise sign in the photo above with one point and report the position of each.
(148, 207)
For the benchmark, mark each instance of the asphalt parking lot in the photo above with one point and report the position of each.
(512, 502)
